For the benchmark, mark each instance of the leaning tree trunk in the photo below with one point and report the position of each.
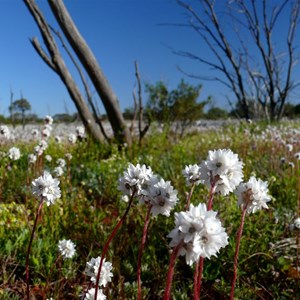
(86, 57)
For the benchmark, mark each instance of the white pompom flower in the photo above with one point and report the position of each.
(163, 198)
(223, 169)
(66, 248)
(134, 178)
(253, 195)
(92, 268)
(90, 295)
(200, 232)
(46, 188)
(191, 174)
(14, 153)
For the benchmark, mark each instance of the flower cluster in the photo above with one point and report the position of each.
(192, 174)
(199, 233)
(14, 153)
(46, 188)
(66, 248)
(222, 169)
(90, 294)
(253, 195)
(157, 193)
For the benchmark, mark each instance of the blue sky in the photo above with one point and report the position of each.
(118, 32)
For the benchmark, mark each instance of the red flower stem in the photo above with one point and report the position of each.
(200, 272)
(145, 230)
(196, 295)
(105, 249)
(237, 248)
(201, 262)
(188, 200)
(173, 257)
(29, 248)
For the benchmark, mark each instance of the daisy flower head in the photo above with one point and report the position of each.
(35, 133)
(191, 174)
(163, 198)
(46, 187)
(90, 295)
(253, 195)
(66, 248)
(200, 232)
(297, 155)
(14, 153)
(134, 178)
(223, 169)
(92, 270)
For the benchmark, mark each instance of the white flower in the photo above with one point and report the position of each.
(41, 147)
(72, 138)
(163, 198)
(134, 178)
(57, 139)
(66, 248)
(297, 155)
(48, 158)
(223, 169)
(92, 270)
(34, 132)
(289, 147)
(58, 171)
(4, 131)
(200, 233)
(90, 295)
(46, 187)
(125, 198)
(68, 156)
(48, 120)
(46, 132)
(61, 162)
(31, 158)
(191, 174)
(14, 153)
(297, 223)
(253, 195)
(80, 131)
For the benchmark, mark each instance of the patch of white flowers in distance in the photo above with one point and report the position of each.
(150, 190)
(92, 268)
(66, 248)
(253, 195)
(200, 232)
(223, 169)
(46, 188)
(14, 153)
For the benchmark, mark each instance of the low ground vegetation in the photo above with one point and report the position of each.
(91, 204)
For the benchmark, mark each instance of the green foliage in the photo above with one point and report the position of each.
(178, 106)
(91, 205)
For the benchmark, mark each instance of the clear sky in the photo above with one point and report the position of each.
(118, 32)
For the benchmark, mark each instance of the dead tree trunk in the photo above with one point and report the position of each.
(86, 57)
